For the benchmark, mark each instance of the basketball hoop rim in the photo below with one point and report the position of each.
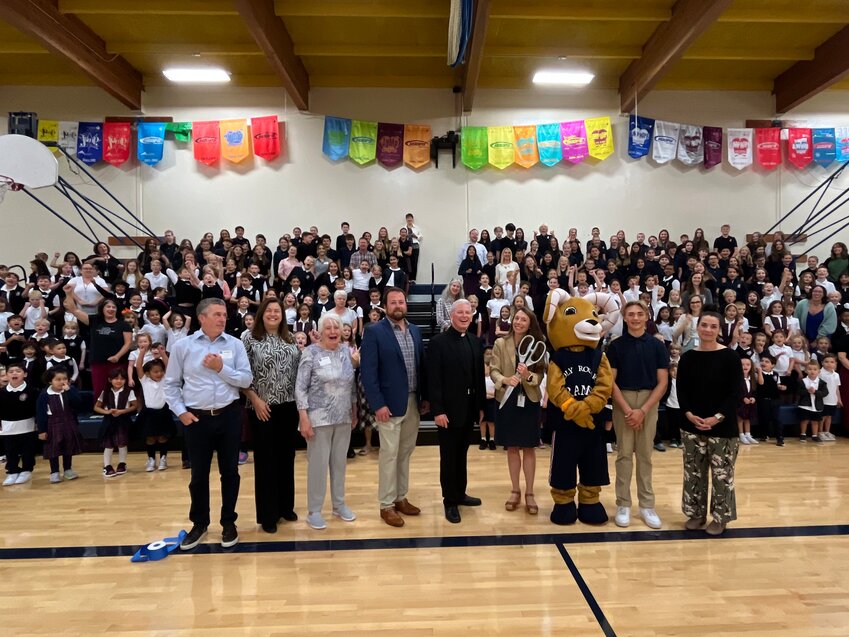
(7, 183)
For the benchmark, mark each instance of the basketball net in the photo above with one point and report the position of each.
(7, 184)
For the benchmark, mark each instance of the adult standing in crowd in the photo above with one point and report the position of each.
(205, 373)
(817, 317)
(709, 385)
(88, 288)
(110, 268)
(326, 398)
(517, 421)
(393, 375)
(457, 395)
(640, 365)
(452, 292)
(111, 338)
(414, 235)
(273, 357)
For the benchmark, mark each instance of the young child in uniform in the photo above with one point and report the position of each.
(157, 422)
(812, 390)
(747, 408)
(832, 400)
(488, 422)
(17, 427)
(116, 403)
(56, 417)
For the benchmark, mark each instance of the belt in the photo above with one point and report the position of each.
(210, 412)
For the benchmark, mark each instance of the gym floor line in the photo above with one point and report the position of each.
(470, 541)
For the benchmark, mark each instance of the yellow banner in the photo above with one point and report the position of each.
(234, 139)
(501, 147)
(525, 139)
(599, 137)
(48, 132)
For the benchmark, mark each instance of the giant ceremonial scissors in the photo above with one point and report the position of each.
(531, 352)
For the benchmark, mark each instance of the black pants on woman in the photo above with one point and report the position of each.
(274, 462)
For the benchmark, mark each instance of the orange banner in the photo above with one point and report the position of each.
(416, 145)
(525, 143)
(234, 140)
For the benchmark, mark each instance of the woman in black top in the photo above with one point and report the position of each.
(110, 268)
(470, 269)
(709, 385)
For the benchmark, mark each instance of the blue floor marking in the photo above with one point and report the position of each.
(606, 628)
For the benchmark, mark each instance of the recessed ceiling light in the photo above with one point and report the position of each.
(197, 75)
(563, 78)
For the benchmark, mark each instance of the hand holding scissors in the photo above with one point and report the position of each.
(531, 352)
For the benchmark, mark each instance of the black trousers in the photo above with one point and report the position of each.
(20, 452)
(453, 449)
(414, 264)
(274, 462)
(219, 434)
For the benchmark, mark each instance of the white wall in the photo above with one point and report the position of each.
(305, 188)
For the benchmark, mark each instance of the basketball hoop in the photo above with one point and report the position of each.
(6, 184)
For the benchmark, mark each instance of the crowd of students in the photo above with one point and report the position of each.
(789, 326)
(106, 325)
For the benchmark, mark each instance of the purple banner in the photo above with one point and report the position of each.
(573, 136)
(712, 136)
(390, 144)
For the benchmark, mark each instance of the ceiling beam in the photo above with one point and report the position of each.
(148, 7)
(805, 79)
(274, 40)
(182, 48)
(587, 10)
(70, 38)
(359, 9)
(474, 53)
(690, 19)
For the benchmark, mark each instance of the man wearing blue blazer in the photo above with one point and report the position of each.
(392, 371)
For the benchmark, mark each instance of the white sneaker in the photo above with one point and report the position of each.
(623, 516)
(163, 463)
(24, 477)
(651, 518)
(828, 436)
(10, 479)
(55, 478)
(151, 464)
(744, 439)
(752, 439)
(609, 447)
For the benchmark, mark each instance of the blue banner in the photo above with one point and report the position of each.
(640, 133)
(337, 137)
(151, 142)
(548, 144)
(90, 142)
(825, 150)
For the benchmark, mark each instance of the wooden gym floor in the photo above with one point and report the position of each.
(780, 570)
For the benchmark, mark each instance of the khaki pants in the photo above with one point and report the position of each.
(397, 442)
(632, 442)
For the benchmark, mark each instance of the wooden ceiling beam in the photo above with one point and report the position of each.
(359, 9)
(587, 10)
(805, 79)
(148, 7)
(474, 53)
(70, 38)
(274, 40)
(690, 19)
(182, 48)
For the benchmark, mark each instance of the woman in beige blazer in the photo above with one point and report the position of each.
(517, 422)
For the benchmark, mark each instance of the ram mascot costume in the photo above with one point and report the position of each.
(580, 382)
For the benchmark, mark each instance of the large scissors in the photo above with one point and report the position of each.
(531, 352)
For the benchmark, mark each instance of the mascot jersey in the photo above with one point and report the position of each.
(579, 370)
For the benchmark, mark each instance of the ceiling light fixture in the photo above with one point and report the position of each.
(563, 78)
(197, 75)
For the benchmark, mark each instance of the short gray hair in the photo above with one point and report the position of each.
(328, 317)
(204, 305)
(456, 304)
(340, 294)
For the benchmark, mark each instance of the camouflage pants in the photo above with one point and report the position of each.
(703, 454)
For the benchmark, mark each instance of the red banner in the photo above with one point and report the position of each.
(800, 148)
(116, 142)
(768, 147)
(205, 138)
(266, 134)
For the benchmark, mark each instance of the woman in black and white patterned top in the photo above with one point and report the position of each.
(274, 361)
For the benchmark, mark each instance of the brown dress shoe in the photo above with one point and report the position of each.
(391, 517)
(404, 506)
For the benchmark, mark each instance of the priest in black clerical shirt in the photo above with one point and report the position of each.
(456, 382)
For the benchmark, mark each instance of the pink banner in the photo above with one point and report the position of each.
(573, 136)
(390, 144)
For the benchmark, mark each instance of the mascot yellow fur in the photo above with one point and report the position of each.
(580, 383)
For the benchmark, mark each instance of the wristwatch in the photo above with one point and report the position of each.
(719, 417)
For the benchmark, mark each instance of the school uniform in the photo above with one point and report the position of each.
(17, 429)
(56, 415)
(115, 430)
(829, 401)
(767, 401)
(810, 405)
(67, 363)
(157, 420)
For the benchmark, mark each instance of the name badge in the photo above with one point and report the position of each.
(324, 362)
(520, 401)
(226, 354)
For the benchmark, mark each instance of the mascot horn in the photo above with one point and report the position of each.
(580, 383)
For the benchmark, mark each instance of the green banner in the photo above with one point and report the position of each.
(363, 146)
(473, 143)
(182, 130)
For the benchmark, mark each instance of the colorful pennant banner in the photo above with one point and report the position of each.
(48, 132)
(235, 145)
(473, 147)
(599, 137)
(205, 144)
(691, 149)
(713, 145)
(337, 137)
(573, 137)
(416, 145)
(549, 144)
(824, 146)
(740, 147)
(363, 146)
(800, 150)
(768, 147)
(640, 133)
(68, 136)
(390, 144)
(90, 142)
(841, 139)
(151, 142)
(502, 151)
(116, 142)
(266, 136)
(665, 141)
(525, 144)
